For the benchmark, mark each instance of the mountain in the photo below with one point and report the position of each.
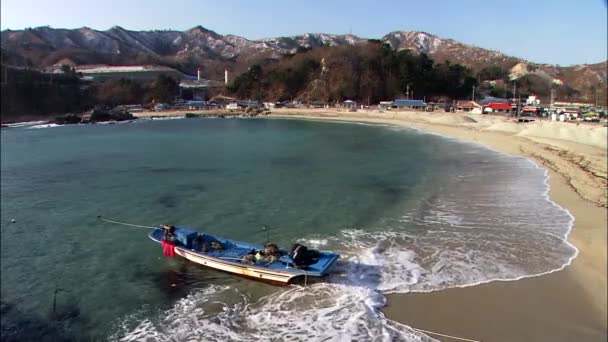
(43, 45)
(186, 50)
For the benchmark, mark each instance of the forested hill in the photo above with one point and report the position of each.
(200, 47)
(311, 67)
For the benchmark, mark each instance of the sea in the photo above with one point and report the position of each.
(407, 210)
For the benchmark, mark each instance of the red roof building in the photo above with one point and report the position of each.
(499, 106)
(532, 109)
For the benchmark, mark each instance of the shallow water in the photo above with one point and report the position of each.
(407, 211)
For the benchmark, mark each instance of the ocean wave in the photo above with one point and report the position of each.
(25, 123)
(344, 309)
(44, 126)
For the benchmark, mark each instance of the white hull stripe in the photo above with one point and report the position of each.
(232, 268)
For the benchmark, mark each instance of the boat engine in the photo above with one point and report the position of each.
(302, 256)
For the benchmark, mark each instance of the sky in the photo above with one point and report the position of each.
(543, 31)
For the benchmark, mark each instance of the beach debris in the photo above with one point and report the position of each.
(13, 220)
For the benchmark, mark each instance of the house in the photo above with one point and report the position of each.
(497, 107)
(533, 100)
(195, 104)
(468, 106)
(490, 99)
(441, 106)
(385, 105)
(352, 105)
(198, 88)
(248, 104)
(317, 104)
(529, 110)
(410, 104)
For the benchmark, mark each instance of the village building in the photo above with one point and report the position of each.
(497, 107)
(194, 89)
(532, 101)
(385, 105)
(317, 104)
(530, 110)
(350, 104)
(468, 106)
(490, 99)
(131, 72)
(409, 104)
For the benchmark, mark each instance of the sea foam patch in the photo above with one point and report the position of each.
(345, 310)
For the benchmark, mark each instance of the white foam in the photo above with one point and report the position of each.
(26, 123)
(166, 118)
(313, 243)
(44, 126)
(328, 312)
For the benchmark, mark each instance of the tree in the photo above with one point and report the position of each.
(165, 88)
(493, 72)
(122, 91)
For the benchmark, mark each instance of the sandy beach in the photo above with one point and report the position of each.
(567, 305)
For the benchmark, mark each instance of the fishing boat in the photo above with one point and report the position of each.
(243, 258)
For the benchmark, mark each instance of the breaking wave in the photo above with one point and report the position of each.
(345, 308)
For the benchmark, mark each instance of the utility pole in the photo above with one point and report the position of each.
(473, 97)
(552, 100)
(514, 89)
(518, 102)
(407, 92)
(597, 91)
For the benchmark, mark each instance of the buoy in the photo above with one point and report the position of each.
(13, 221)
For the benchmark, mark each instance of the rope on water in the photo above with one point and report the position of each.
(444, 335)
(125, 224)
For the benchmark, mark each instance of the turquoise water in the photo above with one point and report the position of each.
(408, 211)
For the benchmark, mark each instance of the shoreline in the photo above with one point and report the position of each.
(566, 304)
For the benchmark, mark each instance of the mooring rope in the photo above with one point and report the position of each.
(444, 335)
(125, 224)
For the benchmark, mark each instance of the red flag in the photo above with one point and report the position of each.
(168, 248)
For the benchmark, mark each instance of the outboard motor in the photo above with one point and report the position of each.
(302, 256)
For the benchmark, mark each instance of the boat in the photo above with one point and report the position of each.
(240, 257)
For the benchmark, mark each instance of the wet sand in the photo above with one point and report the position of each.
(567, 305)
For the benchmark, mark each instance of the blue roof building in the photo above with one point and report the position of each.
(249, 103)
(489, 99)
(195, 104)
(409, 103)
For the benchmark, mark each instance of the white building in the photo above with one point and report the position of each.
(532, 101)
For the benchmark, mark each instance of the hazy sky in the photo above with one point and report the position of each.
(546, 31)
